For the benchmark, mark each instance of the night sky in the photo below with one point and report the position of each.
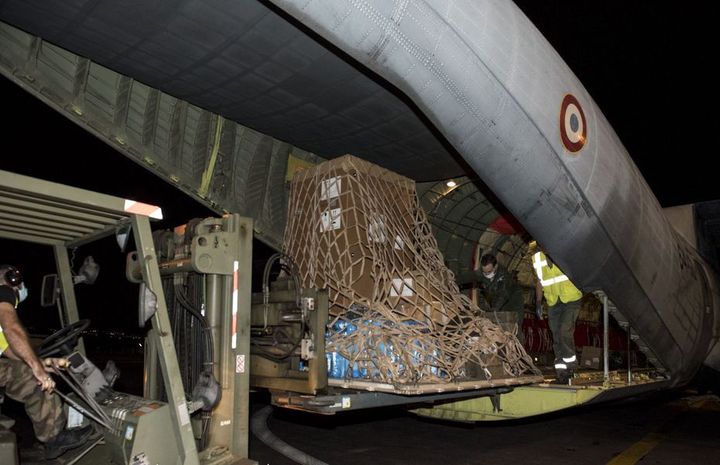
(646, 63)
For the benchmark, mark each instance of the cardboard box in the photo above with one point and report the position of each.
(590, 309)
(591, 357)
(349, 226)
(359, 231)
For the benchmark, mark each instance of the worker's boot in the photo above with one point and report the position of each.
(570, 376)
(561, 372)
(562, 376)
(572, 366)
(67, 439)
(571, 363)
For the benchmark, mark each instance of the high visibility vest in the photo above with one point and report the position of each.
(3, 341)
(554, 282)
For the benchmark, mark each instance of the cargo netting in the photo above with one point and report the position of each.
(397, 315)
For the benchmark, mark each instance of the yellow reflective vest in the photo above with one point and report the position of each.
(554, 282)
(3, 341)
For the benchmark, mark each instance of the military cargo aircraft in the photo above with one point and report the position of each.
(227, 100)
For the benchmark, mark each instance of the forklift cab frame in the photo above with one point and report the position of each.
(63, 217)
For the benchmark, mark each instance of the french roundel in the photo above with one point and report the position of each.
(573, 126)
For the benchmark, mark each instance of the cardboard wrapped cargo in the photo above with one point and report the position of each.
(591, 357)
(358, 230)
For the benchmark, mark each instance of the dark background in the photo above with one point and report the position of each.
(647, 64)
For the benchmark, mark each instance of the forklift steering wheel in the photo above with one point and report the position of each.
(64, 341)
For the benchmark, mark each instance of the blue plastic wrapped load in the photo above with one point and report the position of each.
(337, 364)
(378, 355)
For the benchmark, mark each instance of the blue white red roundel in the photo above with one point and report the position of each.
(573, 126)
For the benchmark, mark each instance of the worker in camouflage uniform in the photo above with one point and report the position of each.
(500, 293)
(26, 378)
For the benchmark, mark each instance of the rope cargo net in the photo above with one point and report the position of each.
(397, 315)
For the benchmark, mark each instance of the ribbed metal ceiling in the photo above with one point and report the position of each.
(467, 225)
(248, 63)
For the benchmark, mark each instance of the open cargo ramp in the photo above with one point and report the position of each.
(587, 387)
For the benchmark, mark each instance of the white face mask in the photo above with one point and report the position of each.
(490, 275)
(22, 292)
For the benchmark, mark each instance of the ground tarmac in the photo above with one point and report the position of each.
(676, 428)
(671, 428)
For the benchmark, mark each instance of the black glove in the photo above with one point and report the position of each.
(539, 310)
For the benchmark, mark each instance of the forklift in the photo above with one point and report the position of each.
(173, 422)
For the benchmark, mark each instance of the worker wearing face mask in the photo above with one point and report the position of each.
(501, 293)
(26, 378)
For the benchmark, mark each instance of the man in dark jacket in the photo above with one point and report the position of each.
(502, 294)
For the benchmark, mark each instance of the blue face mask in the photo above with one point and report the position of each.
(22, 292)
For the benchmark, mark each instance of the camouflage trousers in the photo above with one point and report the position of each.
(45, 410)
